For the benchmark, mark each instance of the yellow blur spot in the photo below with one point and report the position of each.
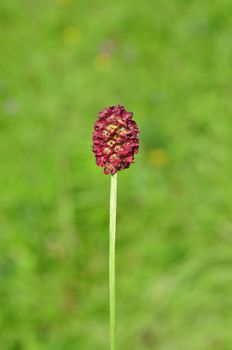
(103, 60)
(158, 157)
(64, 3)
(71, 36)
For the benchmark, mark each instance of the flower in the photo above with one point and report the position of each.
(103, 60)
(115, 139)
(71, 35)
(158, 157)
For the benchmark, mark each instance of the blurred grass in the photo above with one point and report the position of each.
(170, 63)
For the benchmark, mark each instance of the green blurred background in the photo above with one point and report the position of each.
(170, 62)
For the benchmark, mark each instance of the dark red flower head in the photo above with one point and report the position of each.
(115, 139)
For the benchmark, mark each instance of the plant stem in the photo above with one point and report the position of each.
(113, 207)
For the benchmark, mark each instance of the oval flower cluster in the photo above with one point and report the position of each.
(115, 139)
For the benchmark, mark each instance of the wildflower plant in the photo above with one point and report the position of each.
(115, 143)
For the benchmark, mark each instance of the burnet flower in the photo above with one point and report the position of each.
(115, 142)
(115, 139)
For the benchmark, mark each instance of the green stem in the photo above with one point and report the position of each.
(113, 207)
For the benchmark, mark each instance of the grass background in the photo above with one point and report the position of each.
(169, 62)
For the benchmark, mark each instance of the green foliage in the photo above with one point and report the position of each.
(170, 63)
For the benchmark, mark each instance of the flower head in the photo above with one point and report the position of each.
(115, 139)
